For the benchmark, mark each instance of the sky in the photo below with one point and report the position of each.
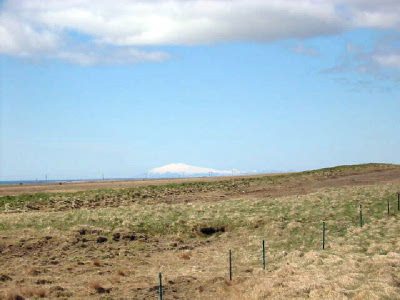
(122, 87)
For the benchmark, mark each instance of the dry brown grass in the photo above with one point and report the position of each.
(114, 280)
(98, 288)
(19, 293)
(59, 249)
(185, 255)
(349, 279)
(12, 295)
(33, 272)
(34, 292)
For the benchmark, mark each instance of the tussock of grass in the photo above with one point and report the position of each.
(12, 295)
(97, 263)
(98, 288)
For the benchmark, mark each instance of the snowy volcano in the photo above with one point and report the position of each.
(179, 168)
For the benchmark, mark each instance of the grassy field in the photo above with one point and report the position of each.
(111, 244)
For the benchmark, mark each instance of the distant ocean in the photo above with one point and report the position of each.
(19, 182)
(37, 181)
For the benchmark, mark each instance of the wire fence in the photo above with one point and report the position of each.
(326, 231)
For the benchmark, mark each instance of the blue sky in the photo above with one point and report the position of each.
(80, 98)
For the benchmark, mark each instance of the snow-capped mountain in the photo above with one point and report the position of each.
(181, 168)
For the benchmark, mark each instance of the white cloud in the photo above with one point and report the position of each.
(34, 40)
(391, 60)
(374, 13)
(111, 57)
(180, 168)
(53, 28)
(183, 22)
(382, 61)
(21, 39)
(300, 48)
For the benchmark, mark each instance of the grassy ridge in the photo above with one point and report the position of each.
(110, 197)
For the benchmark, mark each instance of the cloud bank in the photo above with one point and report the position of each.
(121, 31)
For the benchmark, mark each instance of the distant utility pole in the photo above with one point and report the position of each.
(102, 175)
(46, 177)
(210, 173)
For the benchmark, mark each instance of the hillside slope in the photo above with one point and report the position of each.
(111, 244)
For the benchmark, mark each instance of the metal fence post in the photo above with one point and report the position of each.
(388, 208)
(263, 255)
(398, 201)
(160, 288)
(230, 264)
